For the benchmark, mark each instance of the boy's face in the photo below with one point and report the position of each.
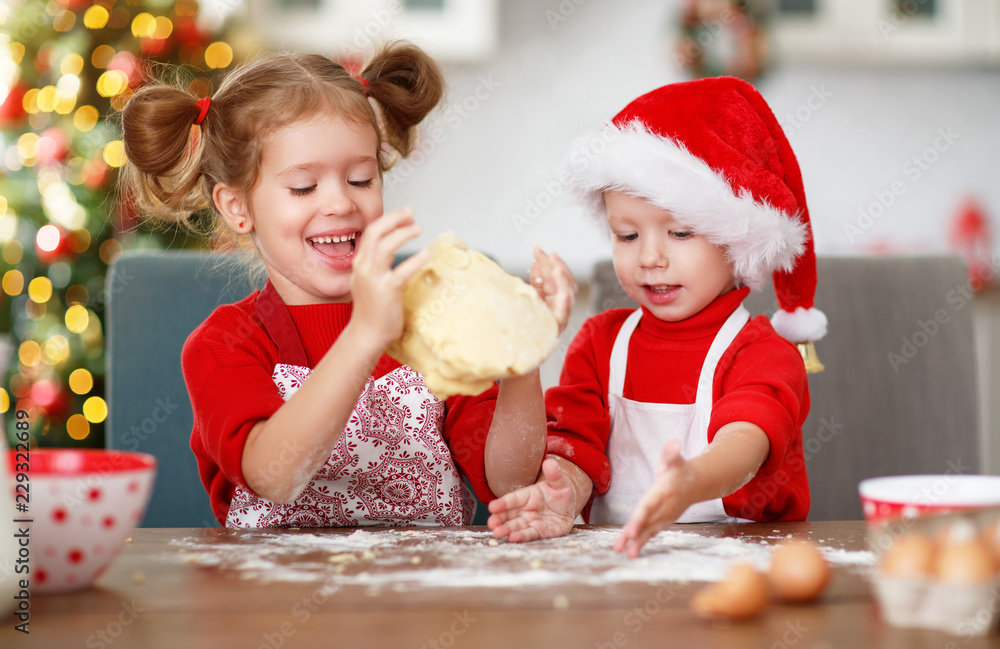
(666, 268)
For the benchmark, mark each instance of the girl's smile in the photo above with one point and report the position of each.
(336, 247)
(319, 189)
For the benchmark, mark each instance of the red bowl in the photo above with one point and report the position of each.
(909, 496)
(83, 504)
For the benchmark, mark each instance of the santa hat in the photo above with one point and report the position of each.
(712, 153)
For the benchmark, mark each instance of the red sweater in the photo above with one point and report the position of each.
(228, 362)
(760, 379)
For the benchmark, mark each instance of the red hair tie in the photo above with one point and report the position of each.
(364, 83)
(203, 104)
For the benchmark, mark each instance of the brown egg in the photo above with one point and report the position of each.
(991, 536)
(964, 558)
(911, 556)
(799, 572)
(742, 595)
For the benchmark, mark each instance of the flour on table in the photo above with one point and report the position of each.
(414, 559)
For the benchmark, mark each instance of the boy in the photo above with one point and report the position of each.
(685, 409)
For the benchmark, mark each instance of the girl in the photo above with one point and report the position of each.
(300, 419)
(685, 409)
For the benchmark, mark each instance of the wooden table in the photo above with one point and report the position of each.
(219, 588)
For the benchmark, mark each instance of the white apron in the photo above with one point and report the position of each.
(390, 467)
(639, 430)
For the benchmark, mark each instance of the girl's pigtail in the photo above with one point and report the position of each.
(407, 84)
(164, 151)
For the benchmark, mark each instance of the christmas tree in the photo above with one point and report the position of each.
(66, 68)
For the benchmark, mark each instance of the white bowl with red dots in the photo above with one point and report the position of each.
(84, 503)
(890, 498)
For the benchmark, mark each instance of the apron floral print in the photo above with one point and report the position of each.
(390, 466)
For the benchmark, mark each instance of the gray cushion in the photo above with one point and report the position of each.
(899, 394)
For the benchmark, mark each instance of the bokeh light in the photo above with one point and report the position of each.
(77, 319)
(95, 410)
(218, 55)
(40, 290)
(78, 427)
(81, 381)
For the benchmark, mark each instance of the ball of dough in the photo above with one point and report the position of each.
(468, 322)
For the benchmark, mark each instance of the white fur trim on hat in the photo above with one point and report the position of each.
(758, 237)
(800, 325)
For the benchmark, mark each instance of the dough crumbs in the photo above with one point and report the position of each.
(415, 560)
(493, 542)
(191, 558)
(342, 558)
(535, 565)
(128, 540)
(367, 555)
(560, 602)
(138, 578)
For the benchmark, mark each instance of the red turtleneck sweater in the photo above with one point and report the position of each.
(228, 362)
(760, 379)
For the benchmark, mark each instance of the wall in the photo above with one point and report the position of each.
(490, 174)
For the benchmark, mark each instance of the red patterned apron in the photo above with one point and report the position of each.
(390, 467)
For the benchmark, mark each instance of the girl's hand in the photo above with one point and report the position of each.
(377, 287)
(543, 510)
(555, 284)
(662, 503)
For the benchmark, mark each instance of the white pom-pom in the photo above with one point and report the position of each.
(801, 325)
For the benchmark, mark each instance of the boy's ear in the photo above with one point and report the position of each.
(233, 208)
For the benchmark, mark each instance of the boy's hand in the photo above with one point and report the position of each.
(555, 284)
(377, 287)
(543, 510)
(662, 503)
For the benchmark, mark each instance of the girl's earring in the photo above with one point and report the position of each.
(241, 224)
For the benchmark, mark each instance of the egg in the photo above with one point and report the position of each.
(991, 536)
(742, 595)
(799, 573)
(911, 556)
(964, 558)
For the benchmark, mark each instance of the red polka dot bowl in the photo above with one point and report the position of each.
(83, 505)
(892, 498)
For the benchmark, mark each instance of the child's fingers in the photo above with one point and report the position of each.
(670, 456)
(371, 245)
(409, 267)
(509, 502)
(523, 536)
(393, 240)
(564, 291)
